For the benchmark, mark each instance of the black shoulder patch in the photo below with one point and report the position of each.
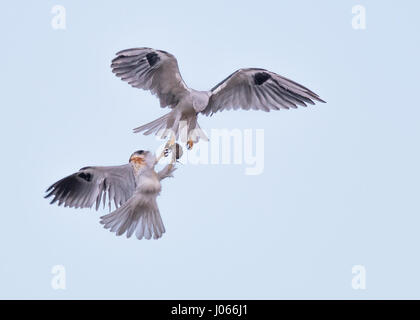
(261, 77)
(85, 176)
(152, 58)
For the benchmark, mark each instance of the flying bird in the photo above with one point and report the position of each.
(132, 187)
(249, 88)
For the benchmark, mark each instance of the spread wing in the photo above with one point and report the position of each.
(153, 70)
(91, 184)
(258, 89)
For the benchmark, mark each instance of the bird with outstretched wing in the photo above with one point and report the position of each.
(249, 88)
(132, 188)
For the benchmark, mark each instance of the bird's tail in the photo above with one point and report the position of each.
(137, 215)
(195, 133)
(170, 125)
(156, 126)
(189, 130)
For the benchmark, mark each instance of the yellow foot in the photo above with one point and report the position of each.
(170, 142)
(190, 144)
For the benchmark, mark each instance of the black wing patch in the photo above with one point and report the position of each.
(261, 77)
(152, 58)
(85, 176)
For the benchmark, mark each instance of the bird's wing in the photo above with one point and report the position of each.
(258, 89)
(89, 185)
(139, 215)
(153, 70)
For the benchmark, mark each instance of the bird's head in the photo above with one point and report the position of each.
(142, 158)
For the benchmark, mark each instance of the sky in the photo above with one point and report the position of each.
(339, 185)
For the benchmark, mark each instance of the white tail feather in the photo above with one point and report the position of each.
(136, 215)
(170, 125)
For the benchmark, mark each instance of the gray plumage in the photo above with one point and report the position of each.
(250, 88)
(91, 185)
(133, 188)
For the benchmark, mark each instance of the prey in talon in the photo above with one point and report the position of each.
(175, 149)
(170, 146)
(132, 188)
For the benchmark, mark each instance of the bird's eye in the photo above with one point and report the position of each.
(140, 152)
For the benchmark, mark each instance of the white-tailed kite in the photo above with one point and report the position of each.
(132, 188)
(250, 88)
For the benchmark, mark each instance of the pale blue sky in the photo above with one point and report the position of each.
(340, 184)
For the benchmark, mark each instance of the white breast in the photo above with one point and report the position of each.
(148, 183)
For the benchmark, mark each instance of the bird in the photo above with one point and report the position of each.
(247, 88)
(132, 188)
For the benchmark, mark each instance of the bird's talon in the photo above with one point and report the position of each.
(190, 144)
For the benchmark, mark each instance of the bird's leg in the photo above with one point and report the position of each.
(160, 156)
(190, 144)
(173, 160)
(169, 144)
(173, 149)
